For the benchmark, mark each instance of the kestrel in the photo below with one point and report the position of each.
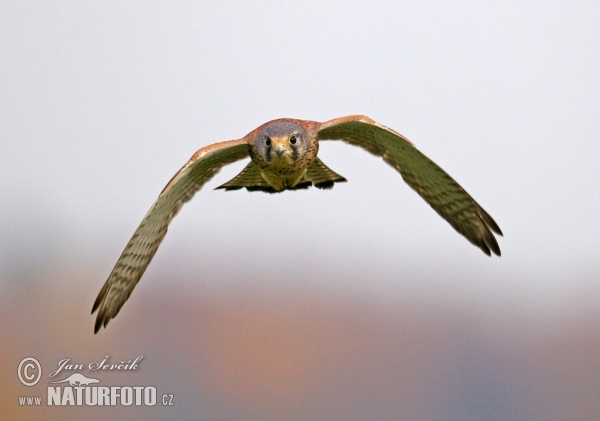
(283, 156)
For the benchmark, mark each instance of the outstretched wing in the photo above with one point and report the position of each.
(434, 185)
(134, 260)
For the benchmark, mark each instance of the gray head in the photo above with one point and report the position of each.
(281, 143)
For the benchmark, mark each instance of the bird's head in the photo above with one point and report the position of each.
(281, 143)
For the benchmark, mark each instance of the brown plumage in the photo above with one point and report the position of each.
(284, 157)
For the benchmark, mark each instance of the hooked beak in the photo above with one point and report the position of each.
(280, 149)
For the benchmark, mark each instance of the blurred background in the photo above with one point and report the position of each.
(357, 303)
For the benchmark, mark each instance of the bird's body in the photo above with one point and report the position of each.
(283, 156)
(283, 150)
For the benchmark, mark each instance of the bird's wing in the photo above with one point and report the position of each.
(201, 167)
(432, 183)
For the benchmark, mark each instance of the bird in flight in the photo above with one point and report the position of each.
(283, 156)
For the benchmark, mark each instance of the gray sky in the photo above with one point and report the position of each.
(102, 103)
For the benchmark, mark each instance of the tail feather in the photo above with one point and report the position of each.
(321, 175)
(317, 174)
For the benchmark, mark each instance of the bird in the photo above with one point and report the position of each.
(283, 156)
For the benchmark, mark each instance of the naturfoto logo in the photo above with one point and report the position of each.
(77, 389)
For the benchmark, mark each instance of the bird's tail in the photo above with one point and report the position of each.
(317, 174)
(321, 176)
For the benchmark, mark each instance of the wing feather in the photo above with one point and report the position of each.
(138, 253)
(432, 183)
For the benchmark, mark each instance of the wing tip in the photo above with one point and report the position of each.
(489, 250)
(100, 298)
(101, 321)
(102, 318)
(489, 221)
(488, 242)
(96, 305)
(97, 325)
(495, 248)
(485, 249)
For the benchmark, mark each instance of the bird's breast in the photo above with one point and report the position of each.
(285, 170)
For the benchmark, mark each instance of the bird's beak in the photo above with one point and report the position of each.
(280, 149)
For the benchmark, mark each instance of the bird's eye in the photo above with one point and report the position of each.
(293, 139)
(268, 142)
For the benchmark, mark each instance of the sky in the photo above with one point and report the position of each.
(101, 103)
